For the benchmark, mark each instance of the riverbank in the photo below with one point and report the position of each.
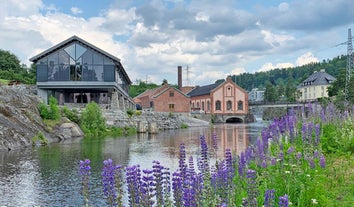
(20, 120)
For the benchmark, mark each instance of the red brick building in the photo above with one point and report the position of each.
(220, 98)
(164, 99)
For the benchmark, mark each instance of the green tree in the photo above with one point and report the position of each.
(9, 62)
(270, 93)
(92, 120)
(11, 69)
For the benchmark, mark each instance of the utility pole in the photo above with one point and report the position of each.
(350, 66)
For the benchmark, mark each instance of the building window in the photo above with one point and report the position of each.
(171, 107)
(229, 105)
(151, 104)
(208, 105)
(218, 105)
(203, 105)
(197, 104)
(172, 94)
(240, 105)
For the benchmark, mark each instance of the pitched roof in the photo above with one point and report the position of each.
(166, 89)
(74, 39)
(318, 78)
(67, 42)
(203, 90)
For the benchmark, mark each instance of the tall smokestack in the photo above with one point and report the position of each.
(179, 68)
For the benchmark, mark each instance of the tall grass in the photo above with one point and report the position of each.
(294, 162)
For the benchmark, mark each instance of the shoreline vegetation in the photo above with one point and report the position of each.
(301, 159)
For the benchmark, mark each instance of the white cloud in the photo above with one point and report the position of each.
(306, 59)
(276, 40)
(237, 71)
(76, 10)
(269, 66)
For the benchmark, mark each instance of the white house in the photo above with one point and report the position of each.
(315, 86)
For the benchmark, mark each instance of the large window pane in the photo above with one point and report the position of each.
(97, 59)
(80, 50)
(63, 57)
(53, 59)
(99, 72)
(71, 51)
(87, 57)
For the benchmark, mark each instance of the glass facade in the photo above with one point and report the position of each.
(77, 62)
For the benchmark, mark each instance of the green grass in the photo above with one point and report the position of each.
(3, 81)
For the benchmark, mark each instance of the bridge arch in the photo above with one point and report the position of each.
(234, 120)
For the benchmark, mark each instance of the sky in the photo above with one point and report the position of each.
(209, 39)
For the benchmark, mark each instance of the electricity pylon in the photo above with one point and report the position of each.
(350, 65)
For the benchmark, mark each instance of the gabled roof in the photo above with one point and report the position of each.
(318, 78)
(203, 90)
(83, 42)
(69, 41)
(168, 88)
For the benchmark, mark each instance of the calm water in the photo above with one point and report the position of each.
(48, 176)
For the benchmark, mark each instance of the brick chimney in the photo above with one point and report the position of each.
(179, 69)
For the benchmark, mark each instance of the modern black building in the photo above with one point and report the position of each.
(76, 72)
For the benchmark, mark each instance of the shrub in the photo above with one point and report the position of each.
(92, 121)
(184, 126)
(41, 138)
(51, 111)
(130, 112)
(71, 114)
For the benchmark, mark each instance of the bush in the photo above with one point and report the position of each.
(130, 112)
(51, 111)
(41, 138)
(71, 114)
(92, 121)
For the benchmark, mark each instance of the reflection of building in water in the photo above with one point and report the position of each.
(233, 138)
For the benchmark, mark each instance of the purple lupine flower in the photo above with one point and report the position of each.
(133, 177)
(322, 161)
(315, 154)
(312, 163)
(260, 151)
(189, 192)
(119, 181)
(204, 155)
(242, 164)
(281, 156)
(304, 132)
(147, 188)
(284, 201)
(309, 132)
(85, 172)
(177, 187)
(317, 134)
(298, 156)
(108, 182)
(252, 191)
(166, 183)
(273, 161)
(162, 183)
(269, 198)
(182, 159)
(228, 162)
(290, 150)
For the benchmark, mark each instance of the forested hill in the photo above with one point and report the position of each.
(289, 76)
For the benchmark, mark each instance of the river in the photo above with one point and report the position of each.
(48, 176)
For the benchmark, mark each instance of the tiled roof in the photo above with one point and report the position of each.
(318, 78)
(203, 90)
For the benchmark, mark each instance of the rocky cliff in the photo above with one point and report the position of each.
(20, 120)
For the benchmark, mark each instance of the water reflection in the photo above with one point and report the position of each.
(48, 176)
